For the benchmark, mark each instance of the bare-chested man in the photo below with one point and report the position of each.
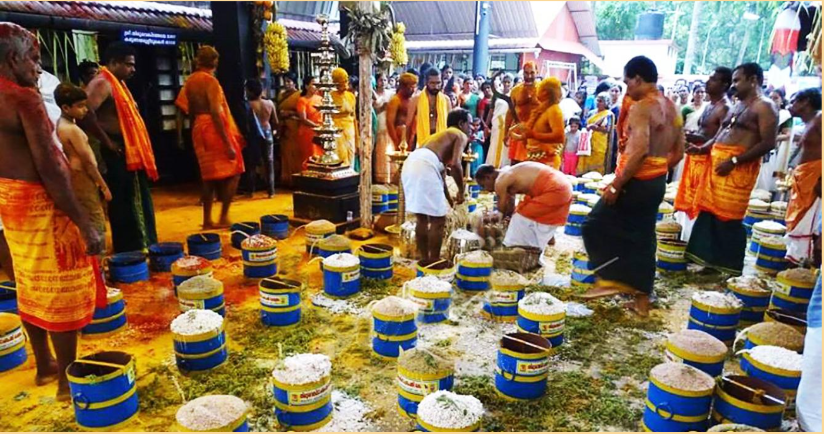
(429, 109)
(114, 120)
(399, 107)
(261, 144)
(695, 164)
(49, 234)
(803, 236)
(544, 208)
(424, 181)
(524, 100)
(718, 240)
(619, 233)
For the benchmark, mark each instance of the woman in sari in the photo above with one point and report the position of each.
(290, 153)
(345, 118)
(600, 126)
(308, 118)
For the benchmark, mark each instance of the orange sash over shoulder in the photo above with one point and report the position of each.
(652, 167)
(805, 177)
(727, 197)
(209, 147)
(56, 281)
(695, 169)
(549, 200)
(138, 147)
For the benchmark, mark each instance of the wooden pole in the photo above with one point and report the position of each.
(365, 125)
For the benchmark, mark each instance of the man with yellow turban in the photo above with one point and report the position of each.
(543, 132)
(524, 101)
(429, 109)
(345, 118)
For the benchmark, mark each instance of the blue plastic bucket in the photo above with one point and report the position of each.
(471, 205)
(501, 303)
(110, 319)
(714, 316)
(12, 342)
(736, 404)
(206, 245)
(523, 366)
(187, 267)
(578, 217)
(303, 407)
(279, 301)
(787, 286)
(341, 282)
(275, 226)
(393, 332)
(259, 260)
(472, 284)
(671, 256)
(190, 298)
(582, 276)
(573, 229)
(468, 268)
(390, 346)
(200, 352)
(551, 327)
(755, 303)
(414, 386)
(712, 364)
(8, 297)
(662, 419)
(474, 189)
(783, 301)
(440, 268)
(375, 256)
(752, 218)
(433, 306)
(787, 380)
(377, 273)
(669, 408)
(104, 393)
(128, 267)
(162, 255)
(725, 334)
(380, 208)
(241, 231)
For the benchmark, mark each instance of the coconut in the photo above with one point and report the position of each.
(394, 306)
(776, 357)
(341, 260)
(777, 334)
(199, 285)
(426, 361)
(541, 303)
(196, 321)
(211, 412)
(444, 409)
(717, 299)
(698, 342)
(302, 369)
(429, 284)
(682, 377)
(800, 275)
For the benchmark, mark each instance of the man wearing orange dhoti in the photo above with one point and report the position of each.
(217, 140)
(51, 239)
(543, 132)
(524, 100)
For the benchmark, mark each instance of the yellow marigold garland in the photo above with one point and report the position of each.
(397, 47)
(277, 49)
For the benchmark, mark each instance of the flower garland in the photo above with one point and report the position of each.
(397, 47)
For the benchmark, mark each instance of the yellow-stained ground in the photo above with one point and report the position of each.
(596, 383)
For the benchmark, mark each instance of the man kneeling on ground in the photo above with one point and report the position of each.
(424, 185)
(544, 208)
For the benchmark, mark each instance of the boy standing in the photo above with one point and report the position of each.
(87, 182)
(573, 135)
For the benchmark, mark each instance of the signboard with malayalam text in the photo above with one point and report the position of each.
(141, 37)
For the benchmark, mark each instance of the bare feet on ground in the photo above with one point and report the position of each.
(48, 375)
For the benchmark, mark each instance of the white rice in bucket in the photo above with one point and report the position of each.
(579, 209)
(477, 257)
(394, 306)
(593, 176)
(199, 285)
(428, 284)
(507, 278)
(749, 283)
(211, 412)
(778, 206)
(112, 293)
(666, 208)
(759, 205)
(717, 299)
(682, 377)
(762, 195)
(769, 226)
(258, 241)
(698, 342)
(589, 197)
(341, 260)
(302, 369)
(444, 409)
(776, 357)
(196, 321)
(773, 241)
(542, 303)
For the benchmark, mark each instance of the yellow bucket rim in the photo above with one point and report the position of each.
(686, 355)
(756, 408)
(17, 347)
(711, 326)
(796, 284)
(542, 355)
(472, 278)
(791, 299)
(422, 376)
(675, 417)
(467, 264)
(395, 338)
(337, 249)
(9, 322)
(198, 337)
(507, 288)
(390, 318)
(201, 355)
(541, 318)
(370, 255)
(304, 408)
(111, 402)
(679, 392)
(300, 387)
(431, 295)
(718, 310)
(342, 269)
(771, 369)
(474, 427)
(119, 370)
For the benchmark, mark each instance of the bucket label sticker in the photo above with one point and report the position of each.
(314, 238)
(267, 256)
(424, 303)
(670, 357)
(417, 387)
(350, 276)
(534, 367)
(783, 288)
(550, 327)
(191, 304)
(377, 198)
(503, 297)
(274, 300)
(130, 374)
(312, 396)
(10, 340)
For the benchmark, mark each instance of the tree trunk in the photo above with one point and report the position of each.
(365, 125)
(692, 41)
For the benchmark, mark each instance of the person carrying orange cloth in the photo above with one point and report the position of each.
(53, 243)
(544, 131)
(217, 140)
(430, 109)
(718, 240)
(544, 209)
(619, 233)
(804, 210)
(524, 101)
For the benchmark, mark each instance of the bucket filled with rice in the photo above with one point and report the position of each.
(199, 340)
(433, 297)
(201, 292)
(543, 314)
(302, 386)
(474, 270)
(393, 326)
(665, 211)
(771, 255)
(260, 255)
(715, 313)
(341, 275)
(444, 411)
(754, 293)
(422, 371)
(775, 334)
(777, 365)
(315, 232)
(697, 349)
(668, 230)
(764, 229)
(678, 399)
(501, 303)
(223, 413)
(748, 400)
(188, 267)
(794, 289)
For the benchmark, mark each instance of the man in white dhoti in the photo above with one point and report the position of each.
(423, 178)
